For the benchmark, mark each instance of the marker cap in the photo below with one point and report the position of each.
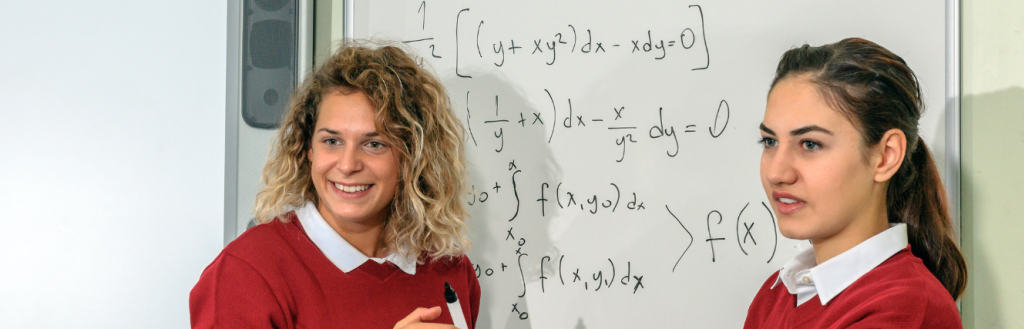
(449, 294)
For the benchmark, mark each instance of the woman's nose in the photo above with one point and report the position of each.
(780, 170)
(350, 161)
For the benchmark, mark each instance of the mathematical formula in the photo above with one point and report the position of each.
(524, 204)
(714, 230)
(570, 41)
(623, 132)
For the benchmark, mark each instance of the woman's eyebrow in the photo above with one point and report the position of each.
(765, 129)
(334, 132)
(807, 129)
(329, 131)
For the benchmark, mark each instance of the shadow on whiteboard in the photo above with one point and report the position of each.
(509, 161)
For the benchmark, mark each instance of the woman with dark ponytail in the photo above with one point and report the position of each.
(845, 168)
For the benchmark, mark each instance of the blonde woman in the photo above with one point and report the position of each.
(362, 225)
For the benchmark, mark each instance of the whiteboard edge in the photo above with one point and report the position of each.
(953, 93)
(952, 174)
(349, 20)
(232, 107)
(305, 42)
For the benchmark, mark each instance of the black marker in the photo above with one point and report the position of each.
(454, 307)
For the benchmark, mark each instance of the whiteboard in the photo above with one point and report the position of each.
(613, 144)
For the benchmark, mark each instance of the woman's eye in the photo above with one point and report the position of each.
(767, 142)
(332, 141)
(811, 145)
(375, 144)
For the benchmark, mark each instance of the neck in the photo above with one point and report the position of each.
(869, 224)
(365, 236)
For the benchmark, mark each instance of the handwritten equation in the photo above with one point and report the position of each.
(624, 133)
(569, 41)
(562, 272)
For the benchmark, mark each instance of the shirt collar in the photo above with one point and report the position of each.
(338, 251)
(836, 274)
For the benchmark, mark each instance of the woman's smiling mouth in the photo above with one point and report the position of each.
(351, 188)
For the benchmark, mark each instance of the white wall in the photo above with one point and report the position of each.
(112, 117)
(992, 183)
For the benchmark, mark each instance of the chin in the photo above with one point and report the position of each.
(793, 229)
(353, 216)
(346, 212)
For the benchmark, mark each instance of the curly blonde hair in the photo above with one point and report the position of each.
(427, 215)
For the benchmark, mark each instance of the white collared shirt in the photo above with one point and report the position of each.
(340, 252)
(804, 278)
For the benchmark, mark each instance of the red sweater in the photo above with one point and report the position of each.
(899, 293)
(273, 276)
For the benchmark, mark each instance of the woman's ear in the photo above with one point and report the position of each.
(890, 152)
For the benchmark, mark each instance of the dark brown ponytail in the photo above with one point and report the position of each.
(922, 205)
(877, 91)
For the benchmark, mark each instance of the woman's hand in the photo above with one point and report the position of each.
(415, 319)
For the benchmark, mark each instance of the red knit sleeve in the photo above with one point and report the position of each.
(894, 303)
(906, 306)
(892, 308)
(763, 303)
(474, 291)
(232, 294)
